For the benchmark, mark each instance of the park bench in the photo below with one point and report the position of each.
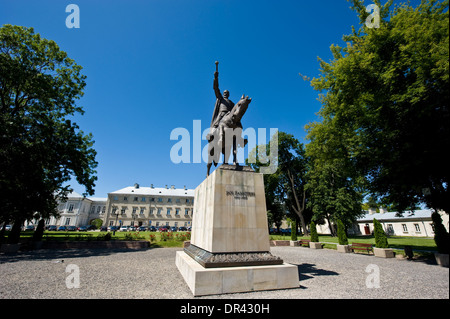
(362, 247)
(304, 242)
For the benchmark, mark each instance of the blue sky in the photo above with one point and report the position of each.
(150, 65)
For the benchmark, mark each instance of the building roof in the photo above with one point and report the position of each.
(155, 191)
(417, 214)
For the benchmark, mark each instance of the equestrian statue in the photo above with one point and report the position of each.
(225, 131)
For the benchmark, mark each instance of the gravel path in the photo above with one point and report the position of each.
(152, 273)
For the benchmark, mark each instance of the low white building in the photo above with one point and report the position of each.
(78, 210)
(412, 223)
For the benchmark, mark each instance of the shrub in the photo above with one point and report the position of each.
(342, 236)
(294, 230)
(314, 235)
(380, 236)
(441, 236)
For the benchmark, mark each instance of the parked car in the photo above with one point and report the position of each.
(163, 229)
(83, 228)
(8, 227)
(142, 228)
(182, 228)
(173, 228)
(152, 228)
(29, 228)
(123, 228)
(71, 228)
(63, 228)
(131, 228)
(91, 227)
(113, 228)
(52, 228)
(103, 228)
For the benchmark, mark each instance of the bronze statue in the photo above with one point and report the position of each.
(226, 116)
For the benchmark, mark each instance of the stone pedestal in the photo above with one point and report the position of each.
(229, 250)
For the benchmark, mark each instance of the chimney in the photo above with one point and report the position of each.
(184, 187)
(383, 210)
(167, 187)
(136, 185)
(172, 187)
(372, 210)
(151, 185)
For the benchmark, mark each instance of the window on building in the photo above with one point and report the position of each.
(122, 211)
(67, 221)
(125, 198)
(186, 211)
(136, 199)
(134, 210)
(417, 227)
(390, 229)
(103, 209)
(98, 209)
(116, 198)
(111, 223)
(70, 207)
(177, 200)
(169, 200)
(168, 211)
(160, 199)
(167, 223)
(114, 210)
(141, 212)
(92, 209)
(152, 199)
(405, 228)
(143, 199)
(151, 211)
(187, 200)
(177, 211)
(159, 211)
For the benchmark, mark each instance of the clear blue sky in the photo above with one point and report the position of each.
(150, 65)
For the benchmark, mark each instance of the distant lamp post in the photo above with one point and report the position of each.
(115, 212)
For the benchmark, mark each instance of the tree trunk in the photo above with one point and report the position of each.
(299, 209)
(14, 235)
(39, 232)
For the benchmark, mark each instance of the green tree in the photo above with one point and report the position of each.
(41, 147)
(285, 187)
(314, 235)
(380, 236)
(342, 236)
(441, 236)
(98, 222)
(385, 103)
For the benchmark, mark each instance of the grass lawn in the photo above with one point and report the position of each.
(396, 242)
(157, 239)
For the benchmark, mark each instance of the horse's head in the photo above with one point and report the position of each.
(241, 107)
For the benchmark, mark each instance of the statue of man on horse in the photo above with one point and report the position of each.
(226, 129)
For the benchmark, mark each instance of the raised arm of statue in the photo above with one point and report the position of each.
(216, 85)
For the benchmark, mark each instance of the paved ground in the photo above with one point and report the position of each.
(152, 274)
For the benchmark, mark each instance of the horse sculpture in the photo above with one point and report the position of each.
(227, 136)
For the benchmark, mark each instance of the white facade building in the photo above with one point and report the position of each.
(78, 210)
(149, 206)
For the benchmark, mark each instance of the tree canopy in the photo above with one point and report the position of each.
(41, 147)
(385, 105)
